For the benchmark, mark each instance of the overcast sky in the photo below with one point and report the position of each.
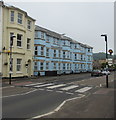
(82, 21)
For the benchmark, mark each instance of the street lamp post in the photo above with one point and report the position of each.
(106, 58)
(10, 64)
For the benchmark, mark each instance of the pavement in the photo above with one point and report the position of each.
(98, 104)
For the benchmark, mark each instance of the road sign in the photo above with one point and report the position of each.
(110, 51)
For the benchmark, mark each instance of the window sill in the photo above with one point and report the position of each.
(19, 72)
(20, 24)
(19, 47)
(29, 49)
(12, 22)
(10, 72)
(29, 29)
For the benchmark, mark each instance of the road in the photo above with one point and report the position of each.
(45, 96)
(39, 101)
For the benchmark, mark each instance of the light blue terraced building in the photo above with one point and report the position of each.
(58, 54)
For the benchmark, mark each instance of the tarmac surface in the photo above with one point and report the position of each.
(98, 104)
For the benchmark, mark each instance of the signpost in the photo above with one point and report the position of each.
(106, 58)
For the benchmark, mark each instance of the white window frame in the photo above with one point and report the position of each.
(28, 43)
(81, 57)
(68, 54)
(75, 56)
(19, 61)
(64, 42)
(41, 65)
(64, 66)
(35, 65)
(12, 16)
(29, 24)
(54, 64)
(89, 50)
(67, 66)
(42, 50)
(47, 52)
(54, 53)
(47, 38)
(42, 35)
(36, 34)
(75, 66)
(20, 18)
(54, 40)
(59, 53)
(36, 50)
(64, 54)
(59, 66)
(70, 66)
(47, 66)
(19, 40)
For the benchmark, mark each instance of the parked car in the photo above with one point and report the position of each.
(96, 73)
(106, 72)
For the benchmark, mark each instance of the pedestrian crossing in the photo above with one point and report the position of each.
(56, 86)
(60, 87)
(82, 90)
(70, 87)
(38, 86)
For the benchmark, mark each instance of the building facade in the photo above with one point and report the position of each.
(55, 53)
(17, 23)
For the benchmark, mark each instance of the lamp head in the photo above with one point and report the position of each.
(13, 36)
(104, 35)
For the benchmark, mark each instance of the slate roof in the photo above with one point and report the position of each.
(16, 8)
(59, 36)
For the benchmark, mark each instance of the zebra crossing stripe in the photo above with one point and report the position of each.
(82, 90)
(43, 85)
(33, 84)
(56, 86)
(69, 87)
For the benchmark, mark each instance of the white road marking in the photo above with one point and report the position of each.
(69, 93)
(69, 87)
(57, 109)
(41, 89)
(49, 90)
(18, 94)
(82, 90)
(6, 87)
(43, 85)
(33, 84)
(59, 91)
(56, 86)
